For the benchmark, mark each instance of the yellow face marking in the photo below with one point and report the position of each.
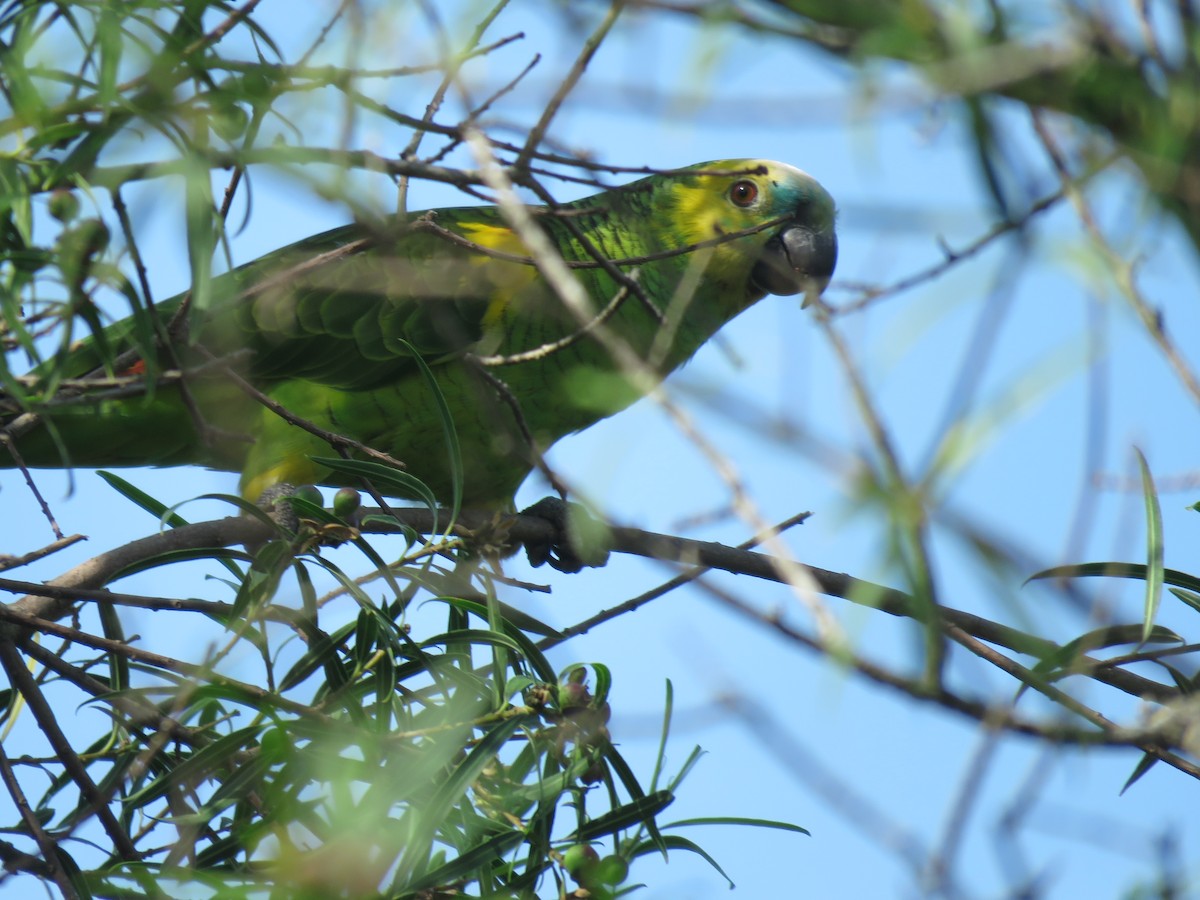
(703, 210)
(697, 207)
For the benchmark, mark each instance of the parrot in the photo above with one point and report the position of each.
(373, 332)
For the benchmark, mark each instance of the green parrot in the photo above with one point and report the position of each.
(349, 330)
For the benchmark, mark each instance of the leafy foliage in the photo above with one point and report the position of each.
(402, 733)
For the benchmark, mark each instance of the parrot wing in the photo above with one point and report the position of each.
(350, 308)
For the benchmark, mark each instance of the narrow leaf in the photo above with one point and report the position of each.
(675, 842)
(1154, 547)
(640, 811)
(739, 820)
(1144, 765)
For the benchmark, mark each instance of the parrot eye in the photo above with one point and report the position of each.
(743, 193)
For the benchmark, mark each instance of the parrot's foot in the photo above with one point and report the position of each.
(583, 540)
(298, 513)
(275, 501)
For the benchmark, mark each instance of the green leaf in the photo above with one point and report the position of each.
(390, 481)
(118, 663)
(450, 792)
(639, 811)
(675, 842)
(140, 498)
(201, 228)
(1154, 546)
(1145, 764)
(225, 555)
(629, 780)
(261, 582)
(1112, 636)
(465, 864)
(515, 623)
(1191, 598)
(199, 765)
(74, 874)
(322, 652)
(1116, 570)
(453, 450)
(739, 820)
(661, 756)
(514, 617)
(688, 765)
(111, 42)
(472, 636)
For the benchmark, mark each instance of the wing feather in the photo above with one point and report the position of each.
(352, 320)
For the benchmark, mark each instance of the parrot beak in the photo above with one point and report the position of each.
(796, 260)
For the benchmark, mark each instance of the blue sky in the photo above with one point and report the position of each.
(1057, 424)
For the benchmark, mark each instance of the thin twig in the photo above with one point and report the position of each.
(15, 562)
(138, 713)
(677, 552)
(913, 523)
(562, 343)
(167, 663)
(49, 864)
(1121, 270)
(509, 399)
(953, 257)
(6, 438)
(332, 438)
(1149, 744)
(591, 45)
(47, 720)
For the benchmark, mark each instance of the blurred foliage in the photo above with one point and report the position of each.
(1130, 71)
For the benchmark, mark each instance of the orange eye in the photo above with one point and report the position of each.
(743, 193)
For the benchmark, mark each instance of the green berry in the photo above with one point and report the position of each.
(309, 493)
(64, 205)
(611, 870)
(580, 860)
(572, 695)
(229, 122)
(346, 502)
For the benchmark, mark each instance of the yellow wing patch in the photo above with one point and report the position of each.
(506, 280)
(293, 470)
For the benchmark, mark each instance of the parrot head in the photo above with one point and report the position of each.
(780, 214)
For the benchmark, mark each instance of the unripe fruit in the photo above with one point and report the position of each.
(580, 860)
(572, 695)
(346, 502)
(611, 870)
(64, 205)
(309, 493)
